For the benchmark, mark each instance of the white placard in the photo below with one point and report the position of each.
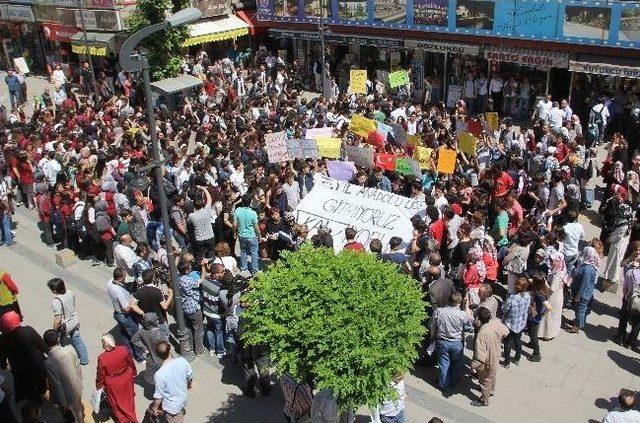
(372, 212)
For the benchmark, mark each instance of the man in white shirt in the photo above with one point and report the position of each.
(495, 86)
(481, 93)
(542, 108)
(469, 92)
(566, 109)
(573, 233)
(599, 115)
(124, 256)
(625, 412)
(555, 116)
(172, 383)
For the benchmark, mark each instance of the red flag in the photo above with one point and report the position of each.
(376, 139)
(386, 161)
(474, 127)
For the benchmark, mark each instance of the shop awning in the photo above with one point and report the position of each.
(177, 84)
(98, 43)
(256, 27)
(611, 66)
(225, 28)
(533, 58)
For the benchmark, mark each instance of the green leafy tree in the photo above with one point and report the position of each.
(163, 47)
(348, 321)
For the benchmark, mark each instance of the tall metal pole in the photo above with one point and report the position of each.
(183, 338)
(546, 90)
(444, 78)
(81, 10)
(324, 61)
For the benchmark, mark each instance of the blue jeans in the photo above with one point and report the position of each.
(7, 236)
(78, 344)
(589, 196)
(215, 334)
(249, 246)
(398, 418)
(128, 328)
(449, 355)
(581, 309)
(14, 97)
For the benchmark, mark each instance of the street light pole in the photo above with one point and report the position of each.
(94, 83)
(324, 61)
(134, 62)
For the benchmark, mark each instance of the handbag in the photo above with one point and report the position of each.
(96, 400)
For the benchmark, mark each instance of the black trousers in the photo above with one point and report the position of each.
(532, 331)
(513, 340)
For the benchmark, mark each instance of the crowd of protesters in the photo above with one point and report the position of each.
(500, 250)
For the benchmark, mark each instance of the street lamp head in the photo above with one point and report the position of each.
(184, 16)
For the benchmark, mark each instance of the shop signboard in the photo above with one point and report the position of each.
(18, 13)
(439, 47)
(212, 8)
(103, 20)
(594, 22)
(605, 69)
(538, 59)
(55, 32)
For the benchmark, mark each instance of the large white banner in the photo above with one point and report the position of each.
(372, 212)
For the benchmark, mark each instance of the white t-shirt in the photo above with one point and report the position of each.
(618, 416)
(542, 109)
(574, 232)
(555, 117)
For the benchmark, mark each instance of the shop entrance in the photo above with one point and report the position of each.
(559, 83)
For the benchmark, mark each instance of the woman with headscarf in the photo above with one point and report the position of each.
(147, 338)
(473, 274)
(582, 287)
(633, 187)
(115, 374)
(552, 321)
(24, 350)
(617, 218)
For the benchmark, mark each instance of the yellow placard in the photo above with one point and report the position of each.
(414, 140)
(467, 143)
(329, 147)
(493, 120)
(92, 50)
(423, 156)
(446, 160)
(358, 81)
(360, 125)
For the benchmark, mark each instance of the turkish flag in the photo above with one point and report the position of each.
(474, 127)
(386, 161)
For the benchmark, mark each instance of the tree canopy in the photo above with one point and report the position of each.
(163, 47)
(348, 321)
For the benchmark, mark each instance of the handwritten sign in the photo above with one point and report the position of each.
(339, 204)
(361, 156)
(315, 133)
(358, 81)
(423, 156)
(383, 128)
(399, 134)
(342, 171)
(360, 125)
(403, 166)
(309, 149)
(329, 147)
(276, 146)
(447, 160)
(191, 145)
(467, 143)
(398, 78)
(493, 120)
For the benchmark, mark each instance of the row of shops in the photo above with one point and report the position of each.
(444, 66)
(36, 37)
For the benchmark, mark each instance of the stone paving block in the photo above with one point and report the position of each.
(66, 258)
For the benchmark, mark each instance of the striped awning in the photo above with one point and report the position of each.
(208, 31)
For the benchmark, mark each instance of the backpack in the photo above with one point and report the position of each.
(633, 298)
(597, 119)
(593, 131)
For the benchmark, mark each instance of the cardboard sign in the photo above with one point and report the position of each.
(414, 140)
(294, 148)
(21, 64)
(329, 147)
(315, 133)
(385, 129)
(309, 149)
(467, 143)
(358, 81)
(403, 167)
(339, 204)
(493, 120)
(447, 160)
(360, 125)
(474, 127)
(398, 78)
(361, 156)
(342, 171)
(191, 145)
(276, 146)
(399, 134)
(423, 156)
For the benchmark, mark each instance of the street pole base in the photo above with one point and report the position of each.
(184, 345)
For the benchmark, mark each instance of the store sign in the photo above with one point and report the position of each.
(534, 59)
(299, 35)
(67, 3)
(55, 32)
(212, 8)
(337, 38)
(436, 47)
(18, 13)
(104, 20)
(605, 69)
